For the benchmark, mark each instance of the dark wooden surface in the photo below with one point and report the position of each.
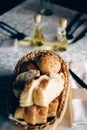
(6, 5)
(77, 5)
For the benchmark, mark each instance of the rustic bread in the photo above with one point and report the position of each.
(48, 90)
(48, 63)
(35, 114)
(19, 113)
(52, 108)
(26, 97)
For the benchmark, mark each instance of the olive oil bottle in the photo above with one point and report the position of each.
(62, 42)
(38, 37)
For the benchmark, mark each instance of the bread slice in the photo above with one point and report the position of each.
(19, 113)
(36, 114)
(41, 115)
(50, 124)
(30, 114)
(52, 108)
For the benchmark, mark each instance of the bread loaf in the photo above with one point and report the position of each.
(48, 90)
(26, 98)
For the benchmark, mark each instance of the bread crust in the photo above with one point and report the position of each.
(34, 58)
(48, 63)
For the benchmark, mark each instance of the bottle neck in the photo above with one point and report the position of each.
(61, 31)
(61, 34)
(37, 24)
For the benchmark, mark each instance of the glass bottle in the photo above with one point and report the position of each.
(38, 37)
(62, 42)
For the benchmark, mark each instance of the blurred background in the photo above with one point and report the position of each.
(6, 5)
(78, 5)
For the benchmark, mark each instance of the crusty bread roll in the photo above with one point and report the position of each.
(49, 63)
(27, 66)
(45, 61)
(55, 65)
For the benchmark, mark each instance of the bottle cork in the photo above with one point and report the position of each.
(63, 22)
(37, 18)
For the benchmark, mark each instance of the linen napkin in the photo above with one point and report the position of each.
(79, 96)
(76, 112)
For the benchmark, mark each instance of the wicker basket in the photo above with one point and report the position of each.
(50, 125)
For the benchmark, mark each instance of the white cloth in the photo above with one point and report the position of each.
(79, 107)
(79, 96)
(76, 114)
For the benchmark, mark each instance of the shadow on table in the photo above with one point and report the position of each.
(5, 88)
(6, 5)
